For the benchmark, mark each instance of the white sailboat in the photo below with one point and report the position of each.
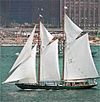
(79, 71)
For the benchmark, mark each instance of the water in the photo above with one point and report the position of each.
(10, 93)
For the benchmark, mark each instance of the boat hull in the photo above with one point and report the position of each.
(30, 86)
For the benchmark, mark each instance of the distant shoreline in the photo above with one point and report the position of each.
(21, 45)
(12, 45)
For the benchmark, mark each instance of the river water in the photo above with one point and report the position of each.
(10, 93)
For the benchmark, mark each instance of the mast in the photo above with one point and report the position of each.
(63, 38)
(40, 16)
(39, 49)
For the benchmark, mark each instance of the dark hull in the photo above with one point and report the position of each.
(30, 86)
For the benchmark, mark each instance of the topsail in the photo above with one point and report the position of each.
(72, 31)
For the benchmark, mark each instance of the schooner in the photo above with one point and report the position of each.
(79, 71)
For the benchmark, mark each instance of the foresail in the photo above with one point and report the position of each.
(72, 31)
(45, 36)
(26, 72)
(30, 69)
(26, 51)
(79, 62)
(49, 67)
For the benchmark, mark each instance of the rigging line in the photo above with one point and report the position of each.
(51, 41)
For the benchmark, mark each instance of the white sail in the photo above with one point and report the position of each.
(26, 71)
(49, 67)
(78, 60)
(26, 51)
(71, 30)
(45, 36)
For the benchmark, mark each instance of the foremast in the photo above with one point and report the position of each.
(39, 47)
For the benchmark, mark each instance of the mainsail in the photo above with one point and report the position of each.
(26, 51)
(26, 71)
(79, 62)
(72, 31)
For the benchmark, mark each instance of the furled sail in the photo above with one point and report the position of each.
(71, 30)
(49, 67)
(26, 71)
(78, 60)
(26, 51)
(45, 36)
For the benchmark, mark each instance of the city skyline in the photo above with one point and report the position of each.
(27, 11)
(85, 13)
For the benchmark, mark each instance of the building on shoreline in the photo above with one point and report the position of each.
(23, 13)
(85, 13)
(27, 11)
(13, 37)
(4, 12)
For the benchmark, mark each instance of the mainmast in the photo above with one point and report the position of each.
(39, 49)
(63, 38)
